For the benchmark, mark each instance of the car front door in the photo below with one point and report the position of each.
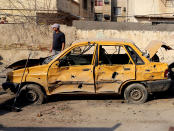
(115, 66)
(73, 72)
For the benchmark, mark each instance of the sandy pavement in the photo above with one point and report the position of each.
(90, 113)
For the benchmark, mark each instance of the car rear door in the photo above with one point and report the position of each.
(115, 66)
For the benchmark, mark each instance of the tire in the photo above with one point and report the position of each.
(33, 94)
(170, 69)
(136, 94)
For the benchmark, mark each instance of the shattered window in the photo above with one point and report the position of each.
(135, 57)
(113, 55)
(80, 55)
(82, 50)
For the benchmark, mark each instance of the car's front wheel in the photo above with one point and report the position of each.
(136, 94)
(33, 94)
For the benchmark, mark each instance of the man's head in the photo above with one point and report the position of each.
(55, 27)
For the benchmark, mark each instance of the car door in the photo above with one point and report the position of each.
(148, 71)
(73, 72)
(115, 66)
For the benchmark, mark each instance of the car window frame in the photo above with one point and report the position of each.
(121, 45)
(76, 46)
(143, 63)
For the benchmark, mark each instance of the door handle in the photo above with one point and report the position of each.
(126, 69)
(86, 69)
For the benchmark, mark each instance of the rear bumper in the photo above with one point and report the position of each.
(10, 87)
(159, 85)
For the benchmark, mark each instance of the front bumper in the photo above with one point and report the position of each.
(10, 87)
(159, 85)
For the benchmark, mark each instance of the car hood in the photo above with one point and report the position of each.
(154, 45)
(21, 64)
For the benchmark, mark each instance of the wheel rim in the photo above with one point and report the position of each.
(136, 94)
(31, 96)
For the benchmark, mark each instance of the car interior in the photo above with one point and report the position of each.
(108, 54)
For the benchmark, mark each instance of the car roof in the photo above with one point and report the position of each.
(104, 40)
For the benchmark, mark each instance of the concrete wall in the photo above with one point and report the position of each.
(90, 25)
(31, 35)
(17, 40)
(69, 6)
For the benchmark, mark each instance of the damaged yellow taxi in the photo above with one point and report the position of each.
(114, 66)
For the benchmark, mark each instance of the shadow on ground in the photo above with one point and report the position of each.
(5, 106)
(64, 97)
(169, 94)
(60, 128)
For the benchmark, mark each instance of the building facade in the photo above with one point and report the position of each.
(119, 9)
(145, 11)
(111, 10)
(46, 11)
(102, 10)
(87, 9)
(151, 11)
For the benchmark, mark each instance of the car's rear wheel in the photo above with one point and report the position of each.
(136, 94)
(33, 94)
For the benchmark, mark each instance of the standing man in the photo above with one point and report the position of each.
(58, 40)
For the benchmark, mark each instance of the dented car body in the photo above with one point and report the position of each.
(93, 66)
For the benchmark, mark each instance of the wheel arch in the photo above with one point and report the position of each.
(127, 83)
(41, 87)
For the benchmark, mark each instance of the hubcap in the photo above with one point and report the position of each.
(136, 94)
(31, 96)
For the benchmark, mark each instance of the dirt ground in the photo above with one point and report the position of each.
(89, 113)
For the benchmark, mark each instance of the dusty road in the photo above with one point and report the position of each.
(90, 113)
